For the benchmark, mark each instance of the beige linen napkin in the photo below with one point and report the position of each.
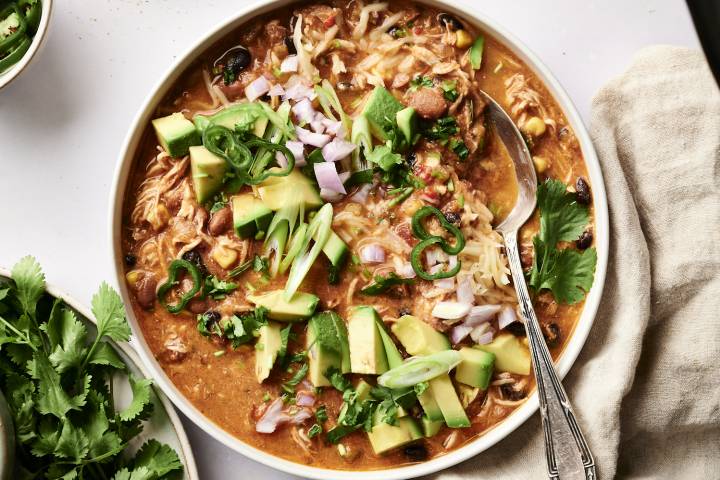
(646, 387)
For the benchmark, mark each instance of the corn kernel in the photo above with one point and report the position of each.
(132, 277)
(463, 39)
(541, 164)
(535, 126)
(225, 257)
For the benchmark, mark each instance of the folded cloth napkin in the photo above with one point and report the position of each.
(646, 387)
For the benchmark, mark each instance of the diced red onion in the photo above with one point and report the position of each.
(465, 291)
(362, 194)
(484, 338)
(330, 195)
(310, 138)
(452, 261)
(481, 314)
(304, 111)
(459, 333)
(281, 160)
(298, 91)
(328, 178)
(257, 88)
(506, 317)
(372, 253)
(335, 128)
(290, 64)
(271, 418)
(304, 399)
(337, 150)
(478, 332)
(450, 310)
(298, 151)
(405, 270)
(276, 91)
(300, 416)
(317, 126)
(444, 283)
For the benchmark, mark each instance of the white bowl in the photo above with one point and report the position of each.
(478, 445)
(13, 72)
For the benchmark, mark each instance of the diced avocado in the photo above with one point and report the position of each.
(207, 171)
(430, 406)
(277, 192)
(301, 306)
(363, 390)
(476, 367)
(407, 123)
(380, 110)
(510, 354)
(335, 250)
(447, 399)
(327, 346)
(418, 337)
(250, 215)
(385, 437)
(367, 352)
(266, 350)
(176, 134)
(431, 427)
(391, 351)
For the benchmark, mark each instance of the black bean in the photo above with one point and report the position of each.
(582, 191)
(212, 317)
(517, 329)
(196, 259)
(552, 334)
(265, 98)
(411, 159)
(396, 32)
(416, 452)
(453, 217)
(585, 240)
(130, 260)
(293, 20)
(510, 393)
(451, 22)
(344, 85)
(290, 45)
(404, 311)
(233, 61)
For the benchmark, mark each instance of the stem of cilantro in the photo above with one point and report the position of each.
(25, 338)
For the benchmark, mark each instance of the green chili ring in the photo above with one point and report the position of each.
(222, 142)
(15, 55)
(416, 261)
(7, 44)
(32, 10)
(173, 271)
(420, 232)
(259, 142)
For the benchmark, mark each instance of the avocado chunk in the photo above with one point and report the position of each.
(207, 171)
(380, 110)
(418, 337)
(430, 406)
(407, 123)
(266, 350)
(367, 352)
(447, 399)
(335, 250)
(301, 305)
(385, 437)
(363, 390)
(250, 215)
(391, 351)
(431, 427)
(476, 367)
(327, 346)
(277, 192)
(510, 354)
(176, 134)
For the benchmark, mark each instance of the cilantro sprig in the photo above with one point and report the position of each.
(566, 272)
(58, 380)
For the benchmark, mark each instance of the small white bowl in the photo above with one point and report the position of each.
(13, 72)
(481, 443)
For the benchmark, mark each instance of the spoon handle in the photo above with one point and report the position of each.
(567, 453)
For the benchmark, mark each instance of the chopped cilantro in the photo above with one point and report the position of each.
(218, 289)
(419, 82)
(449, 90)
(383, 283)
(321, 414)
(459, 147)
(567, 273)
(442, 129)
(289, 385)
(314, 431)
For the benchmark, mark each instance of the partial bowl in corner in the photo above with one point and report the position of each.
(35, 41)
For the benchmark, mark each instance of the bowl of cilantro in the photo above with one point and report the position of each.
(78, 403)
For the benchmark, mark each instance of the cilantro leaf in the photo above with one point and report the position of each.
(337, 380)
(72, 444)
(289, 385)
(51, 398)
(140, 403)
(562, 218)
(419, 82)
(336, 434)
(109, 312)
(29, 282)
(218, 289)
(384, 158)
(314, 430)
(449, 90)
(104, 354)
(70, 340)
(383, 284)
(442, 129)
(141, 473)
(158, 458)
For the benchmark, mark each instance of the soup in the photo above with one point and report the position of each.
(308, 233)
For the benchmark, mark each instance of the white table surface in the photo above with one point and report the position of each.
(63, 121)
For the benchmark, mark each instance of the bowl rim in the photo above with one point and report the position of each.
(470, 449)
(13, 72)
(188, 458)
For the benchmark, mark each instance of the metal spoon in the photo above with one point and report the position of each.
(567, 453)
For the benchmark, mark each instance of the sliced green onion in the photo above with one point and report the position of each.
(278, 121)
(420, 369)
(175, 267)
(293, 248)
(319, 228)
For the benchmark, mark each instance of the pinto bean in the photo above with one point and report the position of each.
(220, 222)
(428, 102)
(146, 291)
